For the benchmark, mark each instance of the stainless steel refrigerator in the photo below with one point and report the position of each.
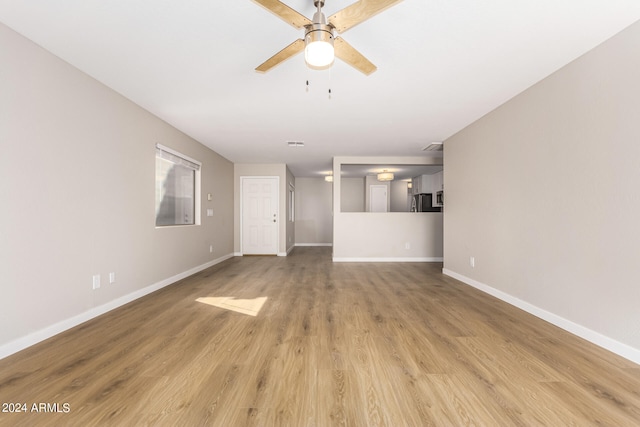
(423, 202)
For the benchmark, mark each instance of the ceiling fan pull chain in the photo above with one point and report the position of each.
(307, 87)
(329, 93)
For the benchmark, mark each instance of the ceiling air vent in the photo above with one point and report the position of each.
(295, 143)
(434, 146)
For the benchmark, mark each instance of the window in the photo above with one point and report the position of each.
(177, 188)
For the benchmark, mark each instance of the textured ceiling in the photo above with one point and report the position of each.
(441, 65)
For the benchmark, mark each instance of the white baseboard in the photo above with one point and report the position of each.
(623, 350)
(372, 259)
(314, 244)
(277, 254)
(48, 332)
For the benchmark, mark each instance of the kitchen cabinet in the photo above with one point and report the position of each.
(416, 185)
(438, 182)
(427, 183)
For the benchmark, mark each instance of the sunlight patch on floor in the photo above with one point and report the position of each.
(245, 306)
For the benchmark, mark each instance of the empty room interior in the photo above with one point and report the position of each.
(434, 225)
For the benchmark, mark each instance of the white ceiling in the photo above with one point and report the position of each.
(441, 65)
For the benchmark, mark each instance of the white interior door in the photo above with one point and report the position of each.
(378, 199)
(260, 220)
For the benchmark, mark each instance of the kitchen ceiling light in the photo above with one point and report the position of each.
(385, 176)
(328, 178)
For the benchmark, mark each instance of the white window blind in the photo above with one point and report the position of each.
(176, 158)
(177, 188)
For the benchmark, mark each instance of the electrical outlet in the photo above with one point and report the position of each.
(472, 262)
(96, 281)
(210, 248)
(407, 245)
(112, 277)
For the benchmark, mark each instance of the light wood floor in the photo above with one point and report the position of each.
(335, 344)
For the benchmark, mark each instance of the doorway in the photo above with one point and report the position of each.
(260, 216)
(378, 198)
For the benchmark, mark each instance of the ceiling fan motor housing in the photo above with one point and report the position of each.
(318, 33)
(319, 30)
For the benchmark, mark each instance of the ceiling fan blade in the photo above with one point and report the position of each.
(358, 12)
(289, 15)
(286, 53)
(352, 57)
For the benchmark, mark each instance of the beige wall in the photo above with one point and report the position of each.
(543, 192)
(400, 201)
(388, 236)
(352, 195)
(77, 190)
(314, 218)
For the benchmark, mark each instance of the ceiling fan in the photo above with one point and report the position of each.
(319, 43)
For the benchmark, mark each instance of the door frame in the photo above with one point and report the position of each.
(372, 187)
(278, 223)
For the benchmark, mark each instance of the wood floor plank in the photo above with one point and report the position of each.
(344, 344)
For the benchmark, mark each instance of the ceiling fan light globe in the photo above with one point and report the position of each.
(319, 54)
